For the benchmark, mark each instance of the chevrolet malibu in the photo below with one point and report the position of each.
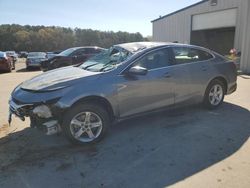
(127, 80)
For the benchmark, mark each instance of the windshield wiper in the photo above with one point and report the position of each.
(85, 68)
(110, 64)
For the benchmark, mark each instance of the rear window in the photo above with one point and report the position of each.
(184, 55)
(37, 54)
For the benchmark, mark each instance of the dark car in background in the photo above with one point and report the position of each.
(52, 54)
(23, 54)
(13, 55)
(6, 63)
(122, 82)
(34, 59)
(70, 56)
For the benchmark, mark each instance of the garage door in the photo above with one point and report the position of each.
(213, 20)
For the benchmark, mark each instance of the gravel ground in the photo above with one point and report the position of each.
(189, 147)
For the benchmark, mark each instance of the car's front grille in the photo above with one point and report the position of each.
(19, 109)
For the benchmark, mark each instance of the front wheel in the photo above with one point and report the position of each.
(86, 123)
(214, 95)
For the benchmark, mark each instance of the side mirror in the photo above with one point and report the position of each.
(137, 70)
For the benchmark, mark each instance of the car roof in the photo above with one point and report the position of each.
(135, 47)
(82, 47)
(36, 52)
(138, 46)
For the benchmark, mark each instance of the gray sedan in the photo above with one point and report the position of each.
(34, 59)
(127, 80)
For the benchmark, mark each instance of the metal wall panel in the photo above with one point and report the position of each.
(177, 27)
(245, 58)
(213, 20)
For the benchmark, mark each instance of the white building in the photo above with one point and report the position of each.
(216, 24)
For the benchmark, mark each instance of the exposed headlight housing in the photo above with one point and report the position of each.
(42, 111)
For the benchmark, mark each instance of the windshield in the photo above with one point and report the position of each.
(67, 52)
(37, 54)
(106, 60)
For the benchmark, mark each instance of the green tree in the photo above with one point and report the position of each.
(41, 38)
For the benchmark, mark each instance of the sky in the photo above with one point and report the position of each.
(105, 15)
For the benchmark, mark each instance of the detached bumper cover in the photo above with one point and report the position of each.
(49, 125)
(20, 110)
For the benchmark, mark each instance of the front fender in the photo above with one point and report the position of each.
(76, 94)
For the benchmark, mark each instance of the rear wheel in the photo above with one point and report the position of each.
(13, 65)
(10, 67)
(86, 123)
(214, 95)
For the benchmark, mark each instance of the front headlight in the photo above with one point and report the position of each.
(42, 111)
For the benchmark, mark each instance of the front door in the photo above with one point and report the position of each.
(142, 93)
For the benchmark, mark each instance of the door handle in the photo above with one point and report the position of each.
(204, 68)
(167, 75)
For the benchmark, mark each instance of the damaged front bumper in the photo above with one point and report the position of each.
(40, 116)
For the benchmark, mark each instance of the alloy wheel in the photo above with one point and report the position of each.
(86, 126)
(216, 95)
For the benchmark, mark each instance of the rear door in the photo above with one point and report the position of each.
(191, 68)
(141, 93)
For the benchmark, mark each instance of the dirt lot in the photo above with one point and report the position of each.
(191, 147)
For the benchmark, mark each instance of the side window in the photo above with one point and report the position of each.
(91, 50)
(184, 55)
(80, 52)
(154, 60)
(97, 51)
(203, 56)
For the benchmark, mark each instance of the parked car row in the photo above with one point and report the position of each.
(124, 81)
(52, 60)
(71, 56)
(57, 59)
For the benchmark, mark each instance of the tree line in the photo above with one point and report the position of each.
(52, 38)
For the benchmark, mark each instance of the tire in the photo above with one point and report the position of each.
(10, 68)
(13, 66)
(214, 94)
(77, 128)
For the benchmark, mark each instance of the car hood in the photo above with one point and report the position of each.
(57, 79)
